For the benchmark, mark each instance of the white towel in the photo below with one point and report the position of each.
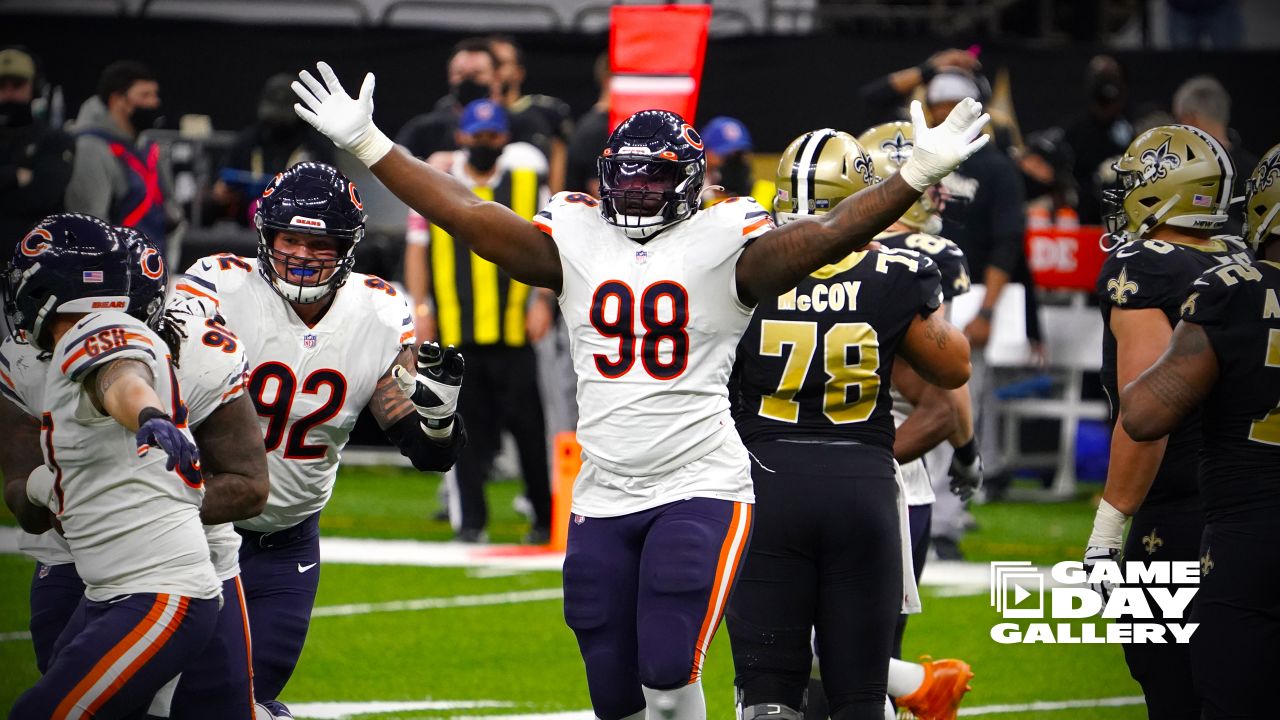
(910, 593)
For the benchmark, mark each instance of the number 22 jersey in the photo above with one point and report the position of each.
(308, 384)
(652, 331)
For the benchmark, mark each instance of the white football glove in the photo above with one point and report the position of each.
(941, 149)
(435, 388)
(347, 121)
(1104, 543)
(194, 306)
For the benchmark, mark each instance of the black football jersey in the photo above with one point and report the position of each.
(1239, 308)
(815, 362)
(945, 254)
(1158, 274)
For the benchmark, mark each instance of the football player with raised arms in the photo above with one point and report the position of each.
(210, 368)
(122, 478)
(814, 371)
(655, 294)
(1176, 188)
(1223, 361)
(322, 343)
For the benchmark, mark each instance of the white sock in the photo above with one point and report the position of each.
(890, 712)
(683, 703)
(904, 677)
(633, 716)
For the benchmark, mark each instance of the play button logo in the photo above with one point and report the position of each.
(1017, 589)
(1019, 594)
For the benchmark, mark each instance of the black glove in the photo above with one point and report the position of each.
(966, 470)
(435, 389)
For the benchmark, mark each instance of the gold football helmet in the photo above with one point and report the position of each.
(889, 146)
(817, 171)
(1262, 201)
(1169, 175)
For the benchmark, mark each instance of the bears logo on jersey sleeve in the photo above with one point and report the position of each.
(101, 338)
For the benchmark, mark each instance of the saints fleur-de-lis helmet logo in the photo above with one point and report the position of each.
(1121, 287)
(1159, 161)
(863, 166)
(897, 148)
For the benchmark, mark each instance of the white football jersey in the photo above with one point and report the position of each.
(308, 384)
(916, 484)
(653, 331)
(211, 371)
(132, 526)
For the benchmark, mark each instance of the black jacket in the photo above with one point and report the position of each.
(48, 154)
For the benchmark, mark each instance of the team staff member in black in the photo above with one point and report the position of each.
(1177, 188)
(469, 302)
(814, 410)
(1224, 360)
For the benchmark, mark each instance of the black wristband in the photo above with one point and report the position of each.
(927, 71)
(968, 452)
(986, 313)
(150, 413)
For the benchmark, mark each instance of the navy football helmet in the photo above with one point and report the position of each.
(312, 199)
(150, 276)
(651, 173)
(68, 263)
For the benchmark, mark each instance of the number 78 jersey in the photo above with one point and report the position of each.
(652, 330)
(815, 362)
(308, 384)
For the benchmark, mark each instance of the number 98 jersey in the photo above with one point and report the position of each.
(308, 384)
(815, 362)
(652, 330)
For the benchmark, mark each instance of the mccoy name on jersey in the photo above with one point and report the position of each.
(131, 525)
(211, 372)
(1239, 307)
(1158, 274)
(308, 384)
(653, 328)
(818, 359)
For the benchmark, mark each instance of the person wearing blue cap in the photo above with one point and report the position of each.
(472, 304)
(728, 147)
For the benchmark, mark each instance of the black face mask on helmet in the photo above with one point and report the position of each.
(15, 114)
(469, 91)
(483, 157)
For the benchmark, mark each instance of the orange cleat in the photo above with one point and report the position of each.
(938, 697)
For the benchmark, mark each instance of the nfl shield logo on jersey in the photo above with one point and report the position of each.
(308, 341)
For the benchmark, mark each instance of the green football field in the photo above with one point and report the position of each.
(484, 641)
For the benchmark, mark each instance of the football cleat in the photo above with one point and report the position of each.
(938, 697)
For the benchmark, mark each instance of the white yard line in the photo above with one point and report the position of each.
(339, 710)
(12, 636)
(508, 598)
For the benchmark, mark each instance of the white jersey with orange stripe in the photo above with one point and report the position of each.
(308, 384)
(132, 526)
(653, 329)
(211, 371)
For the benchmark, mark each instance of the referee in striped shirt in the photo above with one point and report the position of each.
(464, 300)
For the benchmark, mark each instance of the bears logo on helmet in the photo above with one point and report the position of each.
(651, 173)
(309, 199)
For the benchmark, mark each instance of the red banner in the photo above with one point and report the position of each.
(656, 54)
(1065, 258)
